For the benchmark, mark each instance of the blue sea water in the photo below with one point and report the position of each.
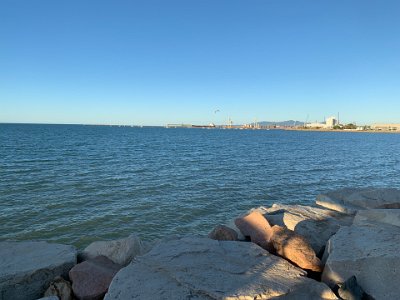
(76, 184)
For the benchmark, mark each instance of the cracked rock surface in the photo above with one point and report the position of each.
(202, 268)
(27, 268)
(371, 252)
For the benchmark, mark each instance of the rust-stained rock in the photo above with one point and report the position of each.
(295, 248)
(91, 279)
(255, 226)
(223, 233)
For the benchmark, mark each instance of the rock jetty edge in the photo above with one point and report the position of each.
(345, 246)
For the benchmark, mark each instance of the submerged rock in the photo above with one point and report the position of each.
(371, 253)
(202, 268)
(223, 233)
(27, 268)
(349, 200)
(295, 248)
(120, 251)
(61, 288)
(255, 226)
(91, 279)
(317, 225)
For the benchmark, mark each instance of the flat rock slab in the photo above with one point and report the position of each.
(317, 225)
(297, 213)
(371, 253)
(349, 200)
(27, 268)
(91, 279)
(202, 268)
(371, 216)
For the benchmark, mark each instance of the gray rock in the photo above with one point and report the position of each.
(120, 251)
(61, 288)
(202, 268)
(305, 292)
(27, 268)
(294, 214)
(371, 253)
(223, 233)
(49, 298)
(349, 200)
(315, 224)
(371, 216)
(351, 290)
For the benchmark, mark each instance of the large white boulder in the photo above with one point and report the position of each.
(120, 251)
(317, 225)
(27, 268)
(202, 268)
(371, 253)
(349, 200)
(370, 216)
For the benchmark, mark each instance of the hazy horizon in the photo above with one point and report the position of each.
(154, 62)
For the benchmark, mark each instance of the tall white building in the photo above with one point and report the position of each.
(330, 122)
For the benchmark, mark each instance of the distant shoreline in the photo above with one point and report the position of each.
(340, 130)
(217, 127)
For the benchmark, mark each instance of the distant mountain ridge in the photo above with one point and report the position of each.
(281, 123)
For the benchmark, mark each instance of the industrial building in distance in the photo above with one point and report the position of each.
(331, 123)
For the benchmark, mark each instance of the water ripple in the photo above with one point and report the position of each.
(77, 184)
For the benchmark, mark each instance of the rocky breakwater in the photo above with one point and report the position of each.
(346, 246)
(30, 270)
(369, 249)
(27, 268)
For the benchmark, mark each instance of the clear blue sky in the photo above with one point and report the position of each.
(156, 62)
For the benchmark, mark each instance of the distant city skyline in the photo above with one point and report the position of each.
(159, 62)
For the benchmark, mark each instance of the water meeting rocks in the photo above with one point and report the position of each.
(371, 252)
(27, 268)
(120, 251)
(223, 233)
(349, 200)
(202, 268)
(91, 279)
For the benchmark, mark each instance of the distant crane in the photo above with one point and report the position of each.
(305, 123)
